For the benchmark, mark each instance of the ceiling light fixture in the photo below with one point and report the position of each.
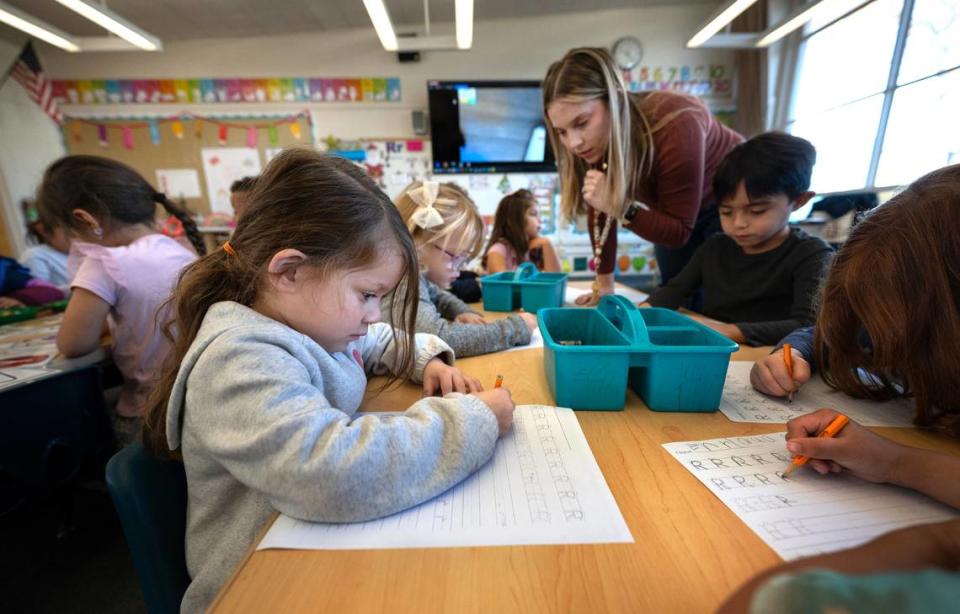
(719, 20)
(464, 18)
(36, 28)
(381, 23)
(107, 19)
(797, 20)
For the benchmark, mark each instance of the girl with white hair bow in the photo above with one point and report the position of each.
(449, 232)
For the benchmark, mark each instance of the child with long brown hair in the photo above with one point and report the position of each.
(889, 307)
(448, 231)
(889, 325)
(274, 336)
(122, 269)
(515, 237)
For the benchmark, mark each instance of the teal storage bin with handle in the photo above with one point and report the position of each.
(672, 362)
(586, 358)
(526, 287)
(684, 366)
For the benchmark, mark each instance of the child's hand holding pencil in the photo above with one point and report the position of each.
(771, 375)
(853, 448)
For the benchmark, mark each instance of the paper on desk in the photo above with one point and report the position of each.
(26, 350)
(807, 513)
(635, 296)
(742, 403)
(536, 341)
(543, 486)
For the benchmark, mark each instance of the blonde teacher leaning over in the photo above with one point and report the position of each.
(647, 159)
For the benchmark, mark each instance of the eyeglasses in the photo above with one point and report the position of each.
(454, 260)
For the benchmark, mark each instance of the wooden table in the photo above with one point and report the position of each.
(689, 552)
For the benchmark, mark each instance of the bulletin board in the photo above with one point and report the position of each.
(161, 148)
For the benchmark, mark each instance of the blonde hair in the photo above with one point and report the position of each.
(589, 73)
(462, 224)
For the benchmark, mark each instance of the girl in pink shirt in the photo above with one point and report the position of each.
(123, 269)
(516, 236)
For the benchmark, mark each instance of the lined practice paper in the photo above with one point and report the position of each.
(741, 402)
(807, 513)
(543, 486)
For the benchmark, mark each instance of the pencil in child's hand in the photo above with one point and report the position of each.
(831, 431)
(499, 381)
(788, 360)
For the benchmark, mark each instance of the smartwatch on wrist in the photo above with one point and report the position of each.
(633, 209)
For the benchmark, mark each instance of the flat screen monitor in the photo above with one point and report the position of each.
(488, 127)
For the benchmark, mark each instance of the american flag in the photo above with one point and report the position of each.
(29, 74)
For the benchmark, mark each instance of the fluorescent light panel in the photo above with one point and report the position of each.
(381, 23)
(36, 28)
(836, 7)
(464, 17)
(721, 19)
(114, 23)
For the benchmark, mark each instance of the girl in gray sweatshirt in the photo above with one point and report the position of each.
(448, 231)
(276, 335)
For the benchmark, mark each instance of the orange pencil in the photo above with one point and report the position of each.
(499, 381)
(832, 430)
(788, 360)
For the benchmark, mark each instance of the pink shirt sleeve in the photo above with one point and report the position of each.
(92, 275)
(510, 259)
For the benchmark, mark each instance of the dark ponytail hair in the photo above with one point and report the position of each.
(510, 223)
(323, 206)
(189, 226)
(111, 191)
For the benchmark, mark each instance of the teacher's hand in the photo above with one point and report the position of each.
(594, 192)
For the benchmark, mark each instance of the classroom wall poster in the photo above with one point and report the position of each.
(224, 165)
(179, 182)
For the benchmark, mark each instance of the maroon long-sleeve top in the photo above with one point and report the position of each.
(689, 144)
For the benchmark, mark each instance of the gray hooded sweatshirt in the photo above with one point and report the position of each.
(264, 418)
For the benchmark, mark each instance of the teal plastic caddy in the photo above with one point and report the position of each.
(526, 287)
(672, 362)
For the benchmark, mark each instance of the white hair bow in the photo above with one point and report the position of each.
(426, 216)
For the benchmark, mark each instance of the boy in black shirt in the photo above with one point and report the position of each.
(759, 277)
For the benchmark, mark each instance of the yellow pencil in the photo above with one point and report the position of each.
(832, 430)
(788, 360)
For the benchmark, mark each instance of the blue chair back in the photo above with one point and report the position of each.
(151, 499)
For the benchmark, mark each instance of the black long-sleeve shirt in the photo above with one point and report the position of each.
(766, 295)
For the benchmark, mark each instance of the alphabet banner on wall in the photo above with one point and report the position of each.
(181, 91)
(714, 83)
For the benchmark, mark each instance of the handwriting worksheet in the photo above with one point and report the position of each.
(807, 513)
(26, 350)
(742, 403)
(542, 486)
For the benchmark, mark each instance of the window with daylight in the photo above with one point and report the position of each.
(877, 91)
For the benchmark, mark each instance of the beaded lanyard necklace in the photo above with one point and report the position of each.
(599, 239)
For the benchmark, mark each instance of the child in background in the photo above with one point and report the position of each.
(760, 277)
(47, 258)
(123, 269)
(890, 308)
(240, 195)
(276, 334)
(909, 570)
(448, 231)
(516, 237)
(18, 288)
